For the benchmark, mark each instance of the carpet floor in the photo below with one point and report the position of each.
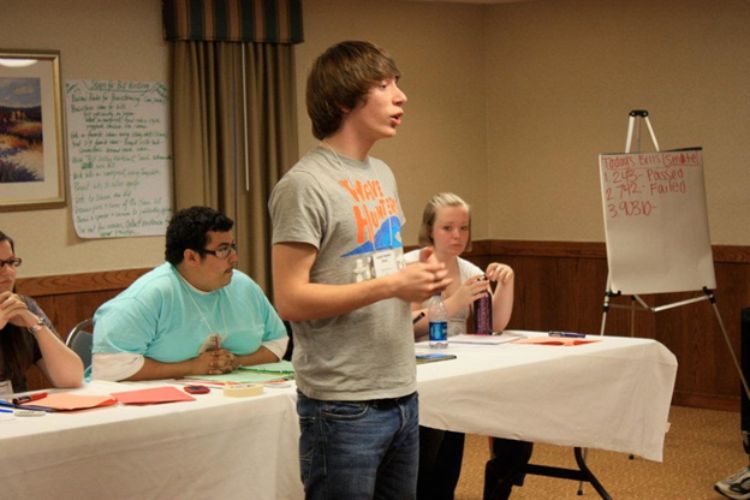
(701, 447)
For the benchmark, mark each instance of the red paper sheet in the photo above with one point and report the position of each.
(554, 341)
(153, 395)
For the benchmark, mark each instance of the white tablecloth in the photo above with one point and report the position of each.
(214, 447)
(613, 394)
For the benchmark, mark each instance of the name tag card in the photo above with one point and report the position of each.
(384, 263)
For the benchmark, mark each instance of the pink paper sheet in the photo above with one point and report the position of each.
(65, 401)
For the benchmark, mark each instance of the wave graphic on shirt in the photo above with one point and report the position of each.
(388, 236)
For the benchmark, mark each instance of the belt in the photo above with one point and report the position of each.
(388, 403)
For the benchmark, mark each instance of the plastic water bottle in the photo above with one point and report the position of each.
(483, 314)
(438, 320)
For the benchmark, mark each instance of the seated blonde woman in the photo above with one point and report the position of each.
(446, 226)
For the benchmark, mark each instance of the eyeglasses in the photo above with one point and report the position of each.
(223, 251)
(14, 262)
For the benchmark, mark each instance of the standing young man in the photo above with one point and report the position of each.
(339, 277)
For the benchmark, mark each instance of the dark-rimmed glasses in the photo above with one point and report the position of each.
(223, 251)
(14, 262)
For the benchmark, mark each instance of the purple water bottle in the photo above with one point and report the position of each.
(483, 314)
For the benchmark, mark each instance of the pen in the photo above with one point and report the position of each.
(4, 410)
(29, 397)
(567, 334)
(417, 318)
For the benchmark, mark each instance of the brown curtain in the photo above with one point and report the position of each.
(233, 132)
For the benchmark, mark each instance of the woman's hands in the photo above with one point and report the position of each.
(13, 310)
(501, 273)
(502, 301)
(61, 365)
(470, 290)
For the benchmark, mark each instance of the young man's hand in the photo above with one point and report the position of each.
(419, 281)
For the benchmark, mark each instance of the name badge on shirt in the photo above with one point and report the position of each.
(6, 389)
(385, 262)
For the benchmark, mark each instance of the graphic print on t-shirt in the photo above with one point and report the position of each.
(375, 215)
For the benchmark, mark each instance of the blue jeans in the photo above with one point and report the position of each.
(358, 450)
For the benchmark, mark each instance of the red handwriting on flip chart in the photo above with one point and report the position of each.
(636, 184)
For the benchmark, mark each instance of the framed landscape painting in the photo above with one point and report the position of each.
(32, 154)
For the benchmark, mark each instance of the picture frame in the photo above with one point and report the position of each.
(32, 145)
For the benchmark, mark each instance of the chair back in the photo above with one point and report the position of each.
(80, 340)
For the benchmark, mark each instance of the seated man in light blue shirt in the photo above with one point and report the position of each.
(193, 315)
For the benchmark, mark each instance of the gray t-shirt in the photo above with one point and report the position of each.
(344, 208)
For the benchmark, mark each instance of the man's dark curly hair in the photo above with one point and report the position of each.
(189, 228)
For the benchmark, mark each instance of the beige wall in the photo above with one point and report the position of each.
(97, 39)
(562, 76)
(508, 104)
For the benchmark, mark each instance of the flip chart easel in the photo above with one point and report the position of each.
(674, 174)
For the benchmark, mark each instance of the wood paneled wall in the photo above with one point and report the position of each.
(559, 285)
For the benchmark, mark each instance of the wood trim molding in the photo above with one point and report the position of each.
(586, 249)
(78, 283)
(572, 249)
(710, 401)
(732, 254)
(119, 279)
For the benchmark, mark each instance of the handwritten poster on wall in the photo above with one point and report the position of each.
(656, 222)
(119, 157)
